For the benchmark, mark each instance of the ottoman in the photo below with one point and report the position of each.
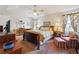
(60, 43)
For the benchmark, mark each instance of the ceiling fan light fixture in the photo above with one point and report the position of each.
(35, 13)
(41, 10)
(34, 10)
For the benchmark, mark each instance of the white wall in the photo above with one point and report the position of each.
(53, 18)
(78, 26)
(3, 19)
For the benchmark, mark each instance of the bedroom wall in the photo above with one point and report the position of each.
(53, 18)
(14, 21)
(5, 18)
(16, 14)
(78, 27)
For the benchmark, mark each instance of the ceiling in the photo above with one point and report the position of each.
(27, 10)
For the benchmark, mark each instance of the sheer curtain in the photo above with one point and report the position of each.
(68, 26)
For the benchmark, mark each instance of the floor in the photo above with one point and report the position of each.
(26, 46)
(46, 48)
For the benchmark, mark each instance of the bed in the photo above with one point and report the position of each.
(44, 35)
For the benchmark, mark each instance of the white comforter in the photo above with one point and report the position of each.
(46, 34)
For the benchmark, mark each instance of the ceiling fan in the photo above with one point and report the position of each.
(36, 10)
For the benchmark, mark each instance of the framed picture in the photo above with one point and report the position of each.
(46, 23)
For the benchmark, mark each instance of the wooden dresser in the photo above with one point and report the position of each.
(4, 38)
(1, 28)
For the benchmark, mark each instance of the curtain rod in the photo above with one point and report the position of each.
(71, 13)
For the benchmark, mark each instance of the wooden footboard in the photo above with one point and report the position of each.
(32, 37)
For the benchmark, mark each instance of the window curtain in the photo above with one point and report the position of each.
(68, 26)
(74, 22)
(71, 23)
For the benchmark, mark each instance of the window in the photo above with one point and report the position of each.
(68, 27)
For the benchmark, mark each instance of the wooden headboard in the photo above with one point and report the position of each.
(46, 28)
